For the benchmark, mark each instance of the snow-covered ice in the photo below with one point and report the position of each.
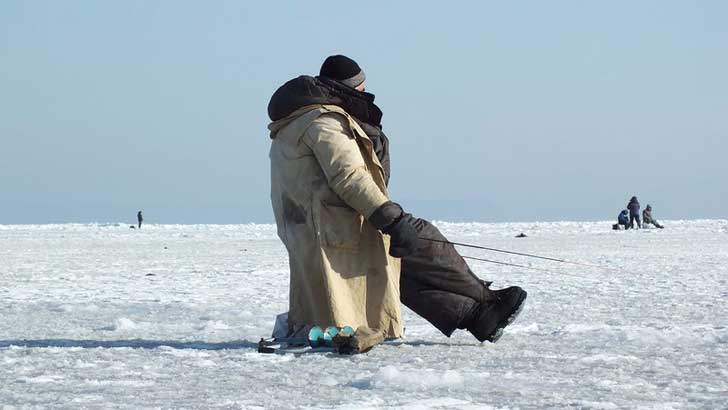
(103, 316)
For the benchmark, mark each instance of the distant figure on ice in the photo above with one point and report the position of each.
(634, 212)
(648, 219)
(345, 238)
(622, 220)
(140, 219)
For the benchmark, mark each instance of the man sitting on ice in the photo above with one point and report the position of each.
(648, 219)
(345, 238)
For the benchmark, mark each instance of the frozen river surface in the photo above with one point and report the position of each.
(102, 316)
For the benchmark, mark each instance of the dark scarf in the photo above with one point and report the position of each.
(306, 90)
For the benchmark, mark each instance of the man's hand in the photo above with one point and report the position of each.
(391, 220)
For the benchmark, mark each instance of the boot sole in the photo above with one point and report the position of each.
(502, 325)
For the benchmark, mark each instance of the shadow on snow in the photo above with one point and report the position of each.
(132, 343)
(195, 345)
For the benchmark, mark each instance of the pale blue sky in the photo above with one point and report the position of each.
(496, 111)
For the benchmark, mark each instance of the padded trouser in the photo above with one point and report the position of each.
(655, 223)
(437, 284)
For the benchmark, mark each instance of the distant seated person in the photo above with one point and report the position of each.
(622, 220)
(648, 219)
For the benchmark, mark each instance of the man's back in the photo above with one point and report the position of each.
(634, 206)
(322, 187)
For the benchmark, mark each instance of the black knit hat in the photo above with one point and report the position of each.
(343, 69)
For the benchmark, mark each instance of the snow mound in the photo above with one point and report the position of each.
(121, 324)
(214, 325)
(391, 377)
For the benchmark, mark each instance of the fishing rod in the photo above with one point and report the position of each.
(522, 254)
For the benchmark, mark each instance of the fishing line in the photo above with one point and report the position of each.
(524, 254)
(509, 264)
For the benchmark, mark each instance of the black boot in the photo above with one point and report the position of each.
(491, 317)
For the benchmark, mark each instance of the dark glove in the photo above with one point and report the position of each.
(391, 220)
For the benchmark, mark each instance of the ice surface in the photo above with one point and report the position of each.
(103, 316)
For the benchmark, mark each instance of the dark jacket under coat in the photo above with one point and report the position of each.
(306, 90)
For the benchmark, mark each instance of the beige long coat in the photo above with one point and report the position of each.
(325, 181)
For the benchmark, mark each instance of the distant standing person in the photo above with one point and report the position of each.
(648, 219)
(140, 219)
(634, 212)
